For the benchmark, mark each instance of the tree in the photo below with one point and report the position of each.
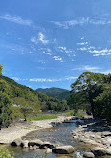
(103, 103)
(1, 69)
(5, 103)
(26, 107)
(5, 109)
(89, 85)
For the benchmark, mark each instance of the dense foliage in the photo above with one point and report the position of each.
(18, 101)
(5, 103)
(93, 91)
(5, 153)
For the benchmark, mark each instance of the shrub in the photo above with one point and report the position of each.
(5, 153)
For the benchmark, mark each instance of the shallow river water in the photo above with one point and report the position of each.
(62, 135)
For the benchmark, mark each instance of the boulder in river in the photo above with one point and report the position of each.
(34, 142)
(16, 142)
(24, 144)
(48, 151)
(88, 155)
(47, 145)
(63, 149)
(98, 151)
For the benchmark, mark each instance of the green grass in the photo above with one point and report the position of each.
(67, 113)
(41, 118)
(80, 113)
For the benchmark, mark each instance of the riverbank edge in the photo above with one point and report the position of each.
(96, 133)
(21, 129)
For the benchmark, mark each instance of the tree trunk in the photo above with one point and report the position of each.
(25, 118)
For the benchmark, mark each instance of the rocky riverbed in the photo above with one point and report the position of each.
(96, 133)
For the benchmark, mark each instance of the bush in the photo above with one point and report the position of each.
(5, 153)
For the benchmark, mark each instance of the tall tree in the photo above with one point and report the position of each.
(89, 84)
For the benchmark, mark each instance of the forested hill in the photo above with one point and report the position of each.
(20, 93)
(55, 92)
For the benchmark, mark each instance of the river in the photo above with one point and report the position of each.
(61, 134)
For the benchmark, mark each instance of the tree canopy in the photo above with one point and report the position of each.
(89, 85)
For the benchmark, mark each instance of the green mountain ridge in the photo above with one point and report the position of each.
(58, 93)
(43, 102)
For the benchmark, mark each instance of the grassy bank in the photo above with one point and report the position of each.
(41, 118)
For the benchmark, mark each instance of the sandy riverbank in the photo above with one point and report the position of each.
(20, 129)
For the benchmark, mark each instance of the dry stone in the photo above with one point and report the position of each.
(98, 151)
(24, 143)
(63, 150)
(36, 142)
(16, 142)
(88, 155)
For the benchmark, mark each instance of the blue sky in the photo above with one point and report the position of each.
(49, 43)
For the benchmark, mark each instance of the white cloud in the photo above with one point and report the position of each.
(52, 80)
(41, 80)
(46, 53)
(82, 38)
(101, 52)
(82, 43)
(82, 49)
(34, 40)
(69, 52)
(88, 68)
(93, 50)
(41, 38)
(91, 47)
(16, 78)
(58, 58)
(70, 78)
(62, 48)
(82, 21)
(106, 72)
(16, 19)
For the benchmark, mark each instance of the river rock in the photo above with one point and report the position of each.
(88, 155)
(98, 151)
(63, 150)
(24, 144)
(47, 145)
(36, 142)
(33, 147)
(48, 151)
(16, 142)
(108, 151)
(105, 134)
